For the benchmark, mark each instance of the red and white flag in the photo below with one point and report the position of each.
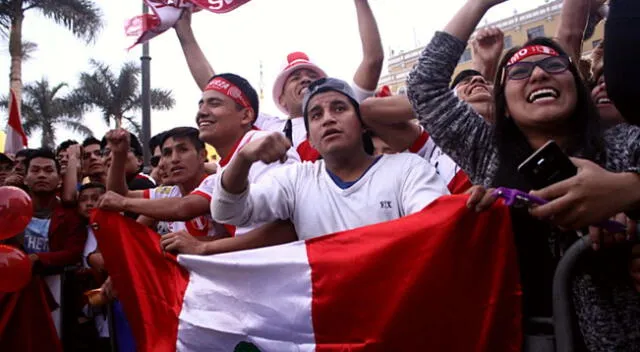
(165, 14)
(445, 279)
(16, 138)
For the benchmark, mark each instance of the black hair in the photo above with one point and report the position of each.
(245, 87)
(134, 144)
(43, 153)
(4, 159)
(65, 145)
(25, 153)
(91, 185)
(156, 141)
(188, 133)
(90, 141)
(366, 135)
(585, 141)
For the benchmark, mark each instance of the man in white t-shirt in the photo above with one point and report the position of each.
(347, 188)
(184, 156)
(225, 118)
(297, 73)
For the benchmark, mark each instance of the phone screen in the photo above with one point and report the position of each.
(548, 165)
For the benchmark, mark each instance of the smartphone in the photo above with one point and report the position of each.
(546, 166)
(518, 199)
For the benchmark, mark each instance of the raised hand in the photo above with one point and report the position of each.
(118, 141)
(268, 149)
(488, 45)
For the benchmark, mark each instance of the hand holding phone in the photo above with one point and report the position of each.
(519, 199)
(546, 166)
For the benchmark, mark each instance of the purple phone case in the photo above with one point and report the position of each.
(516, 198)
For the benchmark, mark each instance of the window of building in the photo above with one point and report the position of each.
(466, 56)
(596, 42)
(508, 43)
(535, 32)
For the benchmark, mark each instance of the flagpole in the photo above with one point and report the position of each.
(146, 97)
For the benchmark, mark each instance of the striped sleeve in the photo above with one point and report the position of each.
(453, 125)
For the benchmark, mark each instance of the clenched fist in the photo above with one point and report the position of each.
(118, 141)
(268, 149)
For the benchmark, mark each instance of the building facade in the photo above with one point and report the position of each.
(539, 22)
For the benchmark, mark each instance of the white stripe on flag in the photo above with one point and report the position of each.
(261, 296)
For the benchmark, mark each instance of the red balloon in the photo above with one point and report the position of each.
(15, 269)
(16, 211)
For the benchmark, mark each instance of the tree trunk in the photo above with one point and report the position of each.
(48, 138)
(15, 50)
(118, 120)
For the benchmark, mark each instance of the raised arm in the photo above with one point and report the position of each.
(453, 125)
(368, 73)
(118, 142)
(573, 20)
(487, 49)
(198, 64)
(233, 202)
(390, 119)
(70, 181)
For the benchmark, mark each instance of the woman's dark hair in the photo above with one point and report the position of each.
(586, 135)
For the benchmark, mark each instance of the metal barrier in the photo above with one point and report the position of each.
(563, 322)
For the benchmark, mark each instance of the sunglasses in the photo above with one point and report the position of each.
(524, 69)
(155, 160)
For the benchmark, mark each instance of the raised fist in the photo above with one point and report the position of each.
(118, 141)
(488, 44)
(268, 149)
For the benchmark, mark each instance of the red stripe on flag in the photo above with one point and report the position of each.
(150, 283)
(460, 183)
(25, 319)
(445, 279)
(220, 6)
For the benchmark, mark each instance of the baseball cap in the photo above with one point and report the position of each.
(462, 75)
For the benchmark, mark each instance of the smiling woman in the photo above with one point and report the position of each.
(539, 96)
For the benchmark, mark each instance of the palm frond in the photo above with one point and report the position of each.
(162, 99)
(82, 17)
(77, 126)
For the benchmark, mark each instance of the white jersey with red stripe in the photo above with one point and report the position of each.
(456, 179)
(267, 122)
(256, 173)
(199, 226)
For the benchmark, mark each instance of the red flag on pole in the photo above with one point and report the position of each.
(16, 138)
(445, 279)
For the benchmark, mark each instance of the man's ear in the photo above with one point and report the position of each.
(202, 155)
(248, 116)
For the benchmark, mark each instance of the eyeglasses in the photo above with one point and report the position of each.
(155, 160)
(524, 69)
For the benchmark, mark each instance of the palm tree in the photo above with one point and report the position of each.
(82, 17)
(44, 109)
(117, 95)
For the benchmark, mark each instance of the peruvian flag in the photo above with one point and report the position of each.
(16, 138)
(165, 14)
(445, 279)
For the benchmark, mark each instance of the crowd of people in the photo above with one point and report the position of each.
(344, 156)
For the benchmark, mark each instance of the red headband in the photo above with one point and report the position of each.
(530, 51)
(229, 89)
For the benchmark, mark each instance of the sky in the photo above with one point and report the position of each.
(260, 31)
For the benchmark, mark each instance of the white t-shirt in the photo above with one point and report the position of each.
(267, 122)
(456, 179)
(200, 226)
(256, 173)
(395, 186)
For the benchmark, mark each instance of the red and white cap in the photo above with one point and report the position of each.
(295, 61)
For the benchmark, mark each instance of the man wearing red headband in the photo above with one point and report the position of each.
(226, 114)
(297, 73)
